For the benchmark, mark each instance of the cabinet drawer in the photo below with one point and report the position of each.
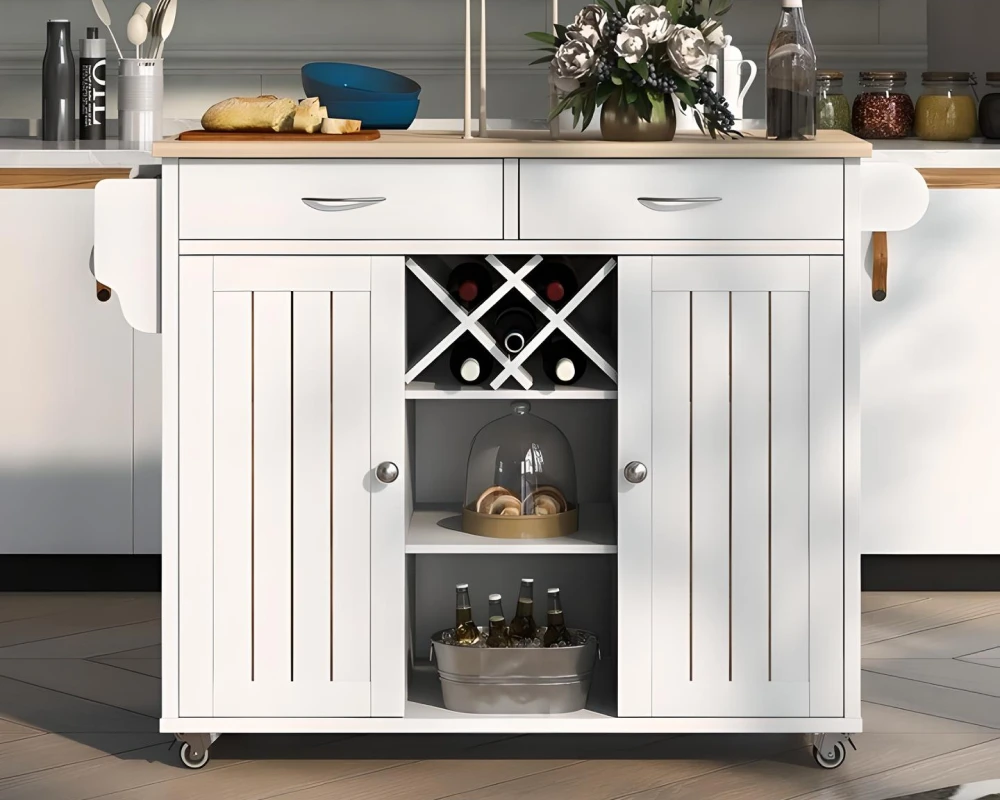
(682, 199)
(342, 199)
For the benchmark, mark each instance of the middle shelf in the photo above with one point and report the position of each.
(437, 529)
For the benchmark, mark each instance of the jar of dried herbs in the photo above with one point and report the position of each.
(883, 109)
(946, 111)
(833, 112)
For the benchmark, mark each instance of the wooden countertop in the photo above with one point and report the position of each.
(524, 144)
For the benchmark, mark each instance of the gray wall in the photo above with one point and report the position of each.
(226, 47)
(965, 35)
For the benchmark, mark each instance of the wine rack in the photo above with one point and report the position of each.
(513, 280)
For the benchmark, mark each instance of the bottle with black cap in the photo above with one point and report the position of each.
(470, 363)
(93, 87)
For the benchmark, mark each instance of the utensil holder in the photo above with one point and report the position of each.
(140, 100)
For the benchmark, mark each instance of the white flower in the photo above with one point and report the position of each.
(584, 33)
(688, 51)
(573, 60)
(631, 44)
(654, 21)
(716, 40)
(590, 16)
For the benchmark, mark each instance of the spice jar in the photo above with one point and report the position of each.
(989, 108)
(946, 111)
(833, 112)
(883, 110)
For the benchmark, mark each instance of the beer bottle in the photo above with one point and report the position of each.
(522, 625)
(466, 631)
(556, 632)
(498, 635)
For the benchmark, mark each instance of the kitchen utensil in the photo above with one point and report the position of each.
(166, 26)
(334, 79)
(271, 136)
(140, 100)
(105, 16)
(733, 88)
(144, 10)
(154, 26)
(137, 32)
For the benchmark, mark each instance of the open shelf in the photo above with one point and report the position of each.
(437, 529)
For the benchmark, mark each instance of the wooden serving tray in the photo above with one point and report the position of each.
(271, 136)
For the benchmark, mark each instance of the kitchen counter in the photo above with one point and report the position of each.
(976, 154)
(30, 153)
(523, 144)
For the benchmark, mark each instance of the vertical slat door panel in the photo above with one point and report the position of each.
(710, 488)
(290, 476)
(272, 487)
(749, 513)
(735, 533)
(311, 510)
(790, 486)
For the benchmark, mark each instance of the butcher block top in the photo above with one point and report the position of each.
(522, 144)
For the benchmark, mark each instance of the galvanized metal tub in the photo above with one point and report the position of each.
(515, 680)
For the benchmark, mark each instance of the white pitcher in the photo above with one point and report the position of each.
(733, 88)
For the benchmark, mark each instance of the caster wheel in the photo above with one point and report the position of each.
(839, 755)
(189, 761)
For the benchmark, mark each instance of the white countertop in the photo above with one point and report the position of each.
(978, 153)
(37, 154)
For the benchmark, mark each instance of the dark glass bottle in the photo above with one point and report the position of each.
(93, 87)
(791, 77)
(555, 630)
(469, 283)
(499, 635)
(466, 631)
(470, 363)
(58, 85)
(555, 281)
(514, 328)
(989, 108)
(522, 624)
(562, 361)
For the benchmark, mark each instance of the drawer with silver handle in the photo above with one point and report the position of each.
(682, 199)
(341, 199)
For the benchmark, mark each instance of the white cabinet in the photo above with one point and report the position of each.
(731, 552)
(277, 487)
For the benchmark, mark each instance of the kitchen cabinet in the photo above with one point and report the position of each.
(315, 445)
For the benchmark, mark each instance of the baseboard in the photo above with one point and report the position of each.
(891, 573)
(79, 573)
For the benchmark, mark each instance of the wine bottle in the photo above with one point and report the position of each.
(555, 281)
(562, 361)
(470, 363)
(514, 328)
(469, 283)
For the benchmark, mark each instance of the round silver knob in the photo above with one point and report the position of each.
(635, 472)
(386, 472)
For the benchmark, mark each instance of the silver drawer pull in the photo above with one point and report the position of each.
(341, 203)
(672, 203)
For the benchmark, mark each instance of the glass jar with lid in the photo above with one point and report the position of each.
(521, 479)
(833, 112)
(989, 108)
(946, 110)
(883, 109)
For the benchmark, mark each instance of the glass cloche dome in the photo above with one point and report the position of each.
(521, 479)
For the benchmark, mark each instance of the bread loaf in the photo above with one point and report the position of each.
(265, 113)
(341, 125)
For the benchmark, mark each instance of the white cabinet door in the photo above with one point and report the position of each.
(276, 494)
(66, 396)
(731, 551)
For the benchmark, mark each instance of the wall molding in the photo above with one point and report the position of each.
(431, 60)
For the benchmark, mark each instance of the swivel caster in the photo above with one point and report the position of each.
(193, 759)
(830, 760)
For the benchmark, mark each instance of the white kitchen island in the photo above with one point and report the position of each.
(314, 444)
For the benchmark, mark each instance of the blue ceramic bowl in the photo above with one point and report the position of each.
(382, 114)
(333, 79)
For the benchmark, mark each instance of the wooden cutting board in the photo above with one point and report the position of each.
(271, 136)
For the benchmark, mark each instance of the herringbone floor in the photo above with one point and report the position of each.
(79, 701)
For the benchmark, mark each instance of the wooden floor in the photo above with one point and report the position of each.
(79, 701)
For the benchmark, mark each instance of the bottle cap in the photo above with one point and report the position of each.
(468, 291)
(527, 580)
(565, 369)
(93, 33)
(470, 370)
(461, 586)
(514, 342)
(494, 597)
(555, 291)
(553, 591)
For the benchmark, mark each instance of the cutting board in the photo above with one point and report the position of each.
(271, 136)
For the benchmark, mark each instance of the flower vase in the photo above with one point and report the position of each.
(621, 123)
